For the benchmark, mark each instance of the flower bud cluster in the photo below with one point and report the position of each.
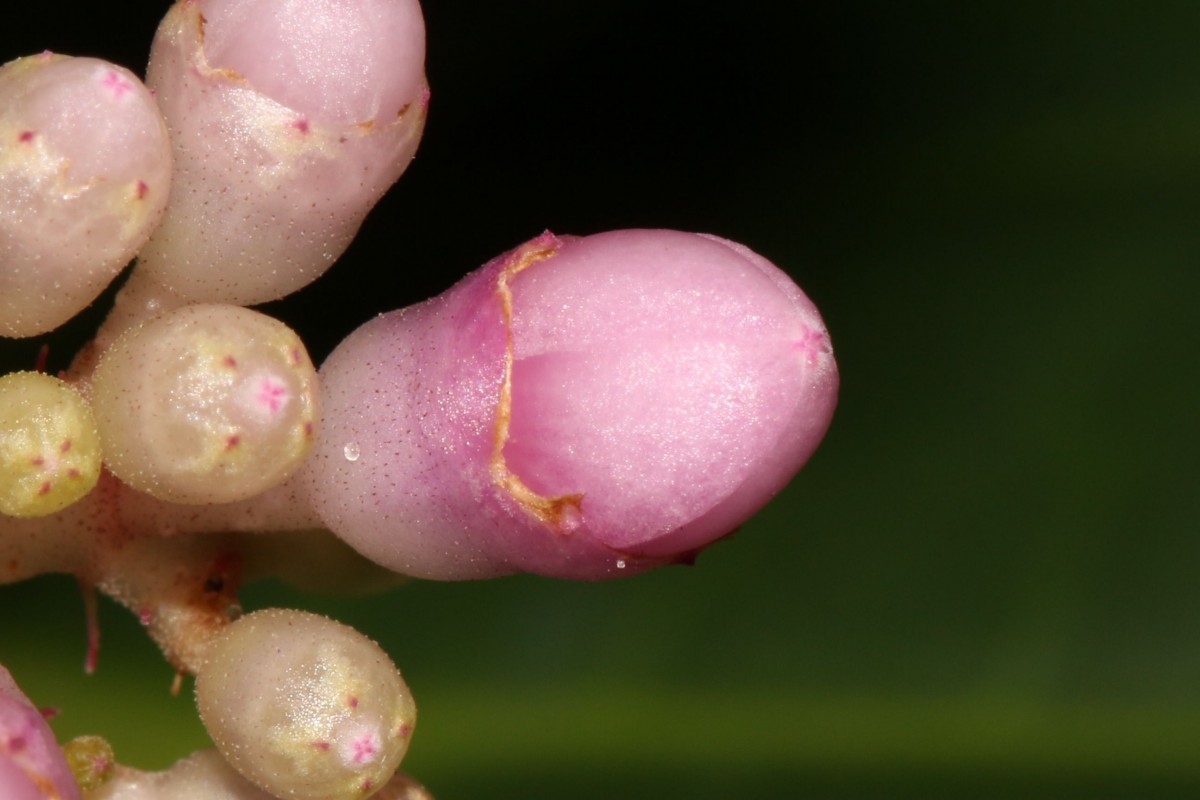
(579, 407)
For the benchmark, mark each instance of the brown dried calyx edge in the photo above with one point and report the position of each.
(562, 512)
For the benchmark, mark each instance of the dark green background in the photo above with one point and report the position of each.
(985, 581)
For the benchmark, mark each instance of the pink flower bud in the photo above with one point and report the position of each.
(580, 407)
(85, 169)
(32, 765)
(289, 119)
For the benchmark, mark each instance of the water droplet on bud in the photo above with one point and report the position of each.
(351, 451)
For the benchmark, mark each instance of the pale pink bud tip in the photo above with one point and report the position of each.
(338, 60)
(586, 407)
(32, 765)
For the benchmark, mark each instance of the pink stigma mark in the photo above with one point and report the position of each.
(116, 84)
(142, 190)
(25, 137)
(322, 746)
(301, 125)
(364, 749)
(813, 344)
(272, 394)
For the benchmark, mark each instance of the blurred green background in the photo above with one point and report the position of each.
(984, 582)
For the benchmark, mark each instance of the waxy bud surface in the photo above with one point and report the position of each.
(580, 407)
(304, 707)
(288, 121)
(85, 170)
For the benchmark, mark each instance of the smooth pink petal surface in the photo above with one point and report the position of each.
(667, 379)
(583, 408)
(342, 61)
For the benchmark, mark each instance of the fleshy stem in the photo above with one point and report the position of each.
(177, 567)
